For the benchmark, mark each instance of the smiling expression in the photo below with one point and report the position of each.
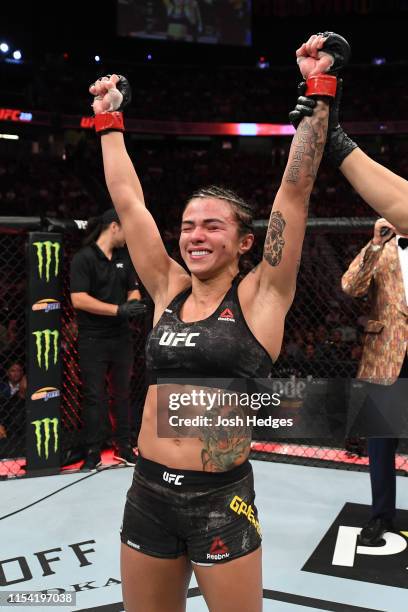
(209, 239)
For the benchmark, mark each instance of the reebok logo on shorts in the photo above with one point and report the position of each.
(218, 550)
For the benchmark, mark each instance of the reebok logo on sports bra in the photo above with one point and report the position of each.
(182, 338)
(227, 315)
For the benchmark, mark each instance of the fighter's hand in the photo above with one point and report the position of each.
(3, 432)
(311, 57)
(383, 231)
(107, 96)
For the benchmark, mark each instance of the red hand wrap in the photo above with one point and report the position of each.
(112, 122)
(321, 85)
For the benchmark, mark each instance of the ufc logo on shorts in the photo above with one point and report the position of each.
(173, 339)
(173, 478)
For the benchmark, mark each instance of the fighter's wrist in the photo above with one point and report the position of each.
(111, 121)
(321, 85)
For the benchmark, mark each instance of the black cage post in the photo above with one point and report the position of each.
(43, 398)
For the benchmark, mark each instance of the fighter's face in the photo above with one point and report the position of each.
(209, 239)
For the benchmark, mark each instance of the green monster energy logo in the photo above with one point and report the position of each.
(46, 334)
(48, 424)
(46, 249)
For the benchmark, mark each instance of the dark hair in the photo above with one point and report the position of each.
(243, 211)
(10, 364)
(94, 229)
(97, 225)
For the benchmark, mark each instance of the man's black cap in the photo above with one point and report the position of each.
(109, 216)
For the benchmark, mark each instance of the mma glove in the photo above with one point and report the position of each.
(338, 144)
(119, 97)
(130, 309)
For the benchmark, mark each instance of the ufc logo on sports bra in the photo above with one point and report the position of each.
(173, 478)
(173, 339)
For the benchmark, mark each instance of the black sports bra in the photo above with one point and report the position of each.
(220, 346)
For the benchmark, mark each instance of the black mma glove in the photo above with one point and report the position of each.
(304, 106)
(118, 97)
(338, 144)
(338, 47)
(130, 309)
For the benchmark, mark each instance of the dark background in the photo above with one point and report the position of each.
(84, 29)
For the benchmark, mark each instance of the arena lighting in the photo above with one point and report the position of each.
(247, 129)
(4, 47)
(9, 136)
(198, 129)
(259, 129)
(378, 61)
(97, 58)
(149, 56)
(263, 63)
(17, 55)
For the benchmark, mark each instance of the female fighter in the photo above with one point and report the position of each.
(191, 503)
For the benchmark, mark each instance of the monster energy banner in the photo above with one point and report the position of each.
(43, 431)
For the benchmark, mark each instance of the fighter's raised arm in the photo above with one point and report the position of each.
(276, 275)
(380, 188)
(157, 271)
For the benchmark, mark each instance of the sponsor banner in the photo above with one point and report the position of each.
(292, 407)
(339, 554)
(46, 305)
(44, 354)
(45, 394)
(44, 430)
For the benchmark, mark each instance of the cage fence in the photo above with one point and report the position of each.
(324, 334)
(323, 338)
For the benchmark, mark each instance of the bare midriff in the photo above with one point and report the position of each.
(215, 449)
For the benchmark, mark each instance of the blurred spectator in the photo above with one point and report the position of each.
(348, 331)
(16, 382)
(310, 363)
(322, 342)
(338, 349)
(12, 411)
(295, 344)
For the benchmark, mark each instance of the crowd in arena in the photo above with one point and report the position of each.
(324, 329)
(201, 93)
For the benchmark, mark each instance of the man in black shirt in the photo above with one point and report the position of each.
(104, 291)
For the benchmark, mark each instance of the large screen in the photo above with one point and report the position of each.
(226, 22)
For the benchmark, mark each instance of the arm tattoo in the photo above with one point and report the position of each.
(274, 241)
(307, 147)
(304, 159)
(300, 143)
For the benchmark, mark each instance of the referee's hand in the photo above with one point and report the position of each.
(130, 309)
